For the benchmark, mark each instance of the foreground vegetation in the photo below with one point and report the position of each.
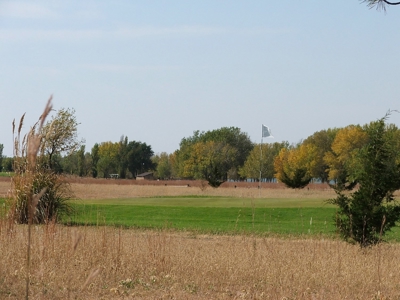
(262, 249)
(113, 263)
(168, 263)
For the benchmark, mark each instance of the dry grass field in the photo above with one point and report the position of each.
(111, 189)
(112, 263)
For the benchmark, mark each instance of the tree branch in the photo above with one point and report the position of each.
(391, 3)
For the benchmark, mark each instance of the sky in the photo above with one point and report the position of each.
(156, 71)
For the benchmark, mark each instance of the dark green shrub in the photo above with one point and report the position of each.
(365, 215)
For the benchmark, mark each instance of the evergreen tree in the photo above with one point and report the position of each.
(365, 215)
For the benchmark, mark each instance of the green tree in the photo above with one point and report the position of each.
(95, 157)
(122, 157)
(164, 166)
(368, 213)
(88, 164)
(60, 135)
(7, 164)
(173, 163)
(1, 157)
(70, 163)
(139, 157)
(106, 166)
(210, 161)
(81, 161)
(108, 158)
(231, 136)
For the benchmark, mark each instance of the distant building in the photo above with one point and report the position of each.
(145, 176)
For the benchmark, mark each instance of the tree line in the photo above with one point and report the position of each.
(328, 155)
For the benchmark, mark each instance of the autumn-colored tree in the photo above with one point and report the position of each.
(231, 136)
(322, 140)
(263, 161)
(342, 158)
(210, 161)
(108, 158)
(294, 167)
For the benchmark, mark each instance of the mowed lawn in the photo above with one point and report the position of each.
(210, 214)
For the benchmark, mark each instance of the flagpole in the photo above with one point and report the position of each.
(259, 183)
(265, 132)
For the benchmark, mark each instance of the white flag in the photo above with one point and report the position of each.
(266, 132)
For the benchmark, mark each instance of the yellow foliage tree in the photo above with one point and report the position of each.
(342, 159)
(294, 167)
(108, 154)
(109, 149)
(323, 140)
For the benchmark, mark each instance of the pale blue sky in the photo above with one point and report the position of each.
(155, 71)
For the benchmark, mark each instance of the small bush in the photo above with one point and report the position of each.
(39, 195)
(51, 205)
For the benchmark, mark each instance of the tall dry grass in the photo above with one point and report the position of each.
(37, 195)
(112, 263)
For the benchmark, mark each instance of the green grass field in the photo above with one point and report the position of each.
(208, 219)
(216, 215)
(210, 214)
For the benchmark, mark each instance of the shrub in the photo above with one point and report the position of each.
(365, 215)
(50, 206)
(38, 194)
